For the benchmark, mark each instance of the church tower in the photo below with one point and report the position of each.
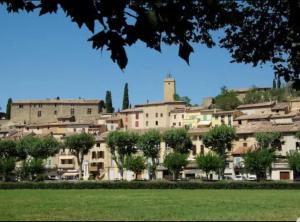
(169, 89)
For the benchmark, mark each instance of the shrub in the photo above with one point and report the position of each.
(151, 185)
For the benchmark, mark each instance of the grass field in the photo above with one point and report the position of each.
(149, 204)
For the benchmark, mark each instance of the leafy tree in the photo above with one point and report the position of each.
(135, 164)
(175, 162)
(8, 108)
(209, 162)
(268, 140)
(80, 145)
(8, 157)
(219, 139)
(227, 99)
(121, 144)
(149, 143)
(178, 140)
(125, 97)
(278, 83)
(254, 32)
(253, 96)
(293, 158)
(185, 99)
(108, 102)
(259, 162)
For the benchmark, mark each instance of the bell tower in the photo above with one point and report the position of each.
(169, 88)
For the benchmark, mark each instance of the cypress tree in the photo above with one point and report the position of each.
(8, 108)
(274, 83)
(125, 97)
(108, 102)
(278, 82)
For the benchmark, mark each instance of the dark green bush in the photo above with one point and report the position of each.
(151, 185)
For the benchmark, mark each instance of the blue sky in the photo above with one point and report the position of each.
(49, 56)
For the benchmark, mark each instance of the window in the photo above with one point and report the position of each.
(222, 119)
(194, 137)
(89, 111)
(72, 111)
(112, 127)
(40, 105)
(216, 117)
(100, 166)
(240, 122)
(182, 116)
(244, 144)
(93, 155)
(137, 116)
(55, 112)
(98, 144)
(66, 161)
(156, 123)
(39, 114)
(179, 123)
(147, 115)
(202, 149)
(297, 145)
(20, 106)
(136, 124)
(204, 117)
(194, 150)
(174, 124)
(174, 116)
(156, 115)
(101, 154)
(161, 115)
(147, 123)
(74, 129)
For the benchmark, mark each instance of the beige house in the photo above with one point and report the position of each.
(257, 108)
(54, 110)
(155, 114)
(241, 93)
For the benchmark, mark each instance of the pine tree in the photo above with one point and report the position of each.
(8, 108)
(125, 97)
(274, 84)
(278, 82)
(108, 102)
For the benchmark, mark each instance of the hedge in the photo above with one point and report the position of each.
(150, 185)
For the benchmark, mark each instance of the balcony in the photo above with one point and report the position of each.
(280, 165)
(66, 166)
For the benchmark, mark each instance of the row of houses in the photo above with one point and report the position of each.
(61, 118)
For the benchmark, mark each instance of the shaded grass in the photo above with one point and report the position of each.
(149, 204)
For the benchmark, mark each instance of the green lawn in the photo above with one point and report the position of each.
(149, 204)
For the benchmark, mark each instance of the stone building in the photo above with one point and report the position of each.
(54, 110)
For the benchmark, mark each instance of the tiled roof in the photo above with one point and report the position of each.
(58, 101)
(280, 106)
(161, 103)
(267, 127)
(242, 150)
(252, 105)
(253, 116)
(132, 110)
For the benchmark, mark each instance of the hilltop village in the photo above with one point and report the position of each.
(63, 117)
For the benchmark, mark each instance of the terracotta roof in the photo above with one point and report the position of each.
(160, 103)
(265, 104)
(267, 126)
(241, 90)
(201, 130)
(253, 116)
(225, 112)
(242, 150)
(282, 116)
(58, 101)
(132, 110)
(280, 106)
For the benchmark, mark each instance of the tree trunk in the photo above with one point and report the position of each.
(153, 169)
(79, 161)
(206, 176)
(174, 176)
